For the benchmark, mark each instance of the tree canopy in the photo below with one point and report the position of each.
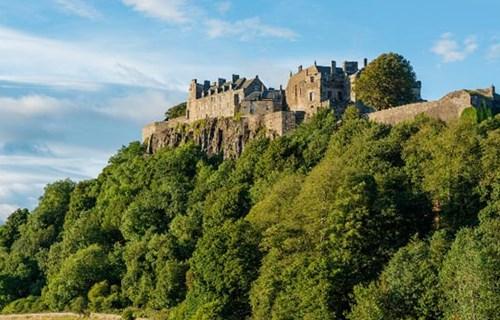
(388, 81)
(339, 219)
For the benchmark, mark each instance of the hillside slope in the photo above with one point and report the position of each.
(336, 220)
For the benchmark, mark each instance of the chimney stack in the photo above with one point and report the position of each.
(300, 68)
(334, 67)
(365, 62)
(206, 85)
(235, 77)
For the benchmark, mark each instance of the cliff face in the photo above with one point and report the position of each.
(224, 136)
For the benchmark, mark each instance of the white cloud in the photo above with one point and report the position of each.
(79, 8)
(23, 177)
(5, 210)
(451, 50)
(247, 29)
(494, 51)
(175, 11)
(31, 105)
(142, 107)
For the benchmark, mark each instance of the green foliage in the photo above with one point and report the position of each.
(386, 82)
(128, 314)
(176, 111)
(10, 231)
(77, 275)
(409, 285)
(477, 115)
(223, 267)
(469, 276)
(25, 305)
(336, 219)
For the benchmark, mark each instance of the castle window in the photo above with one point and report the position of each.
(312, 79)
(340, 95)
(311, 96)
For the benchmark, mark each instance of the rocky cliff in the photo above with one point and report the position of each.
(226, 136)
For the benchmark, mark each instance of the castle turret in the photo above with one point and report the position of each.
(194, 90)
(350, 67)
(334, 67)
(220, 82)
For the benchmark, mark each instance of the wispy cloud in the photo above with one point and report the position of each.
(247, 29)
(186, 11)
(494, 51)
(174, 11)
(452, 50)
(34, 59)
(79, 8)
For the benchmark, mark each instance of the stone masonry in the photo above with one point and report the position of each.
(222, 116)
(447, 109)
(240, 96)
(317, 87)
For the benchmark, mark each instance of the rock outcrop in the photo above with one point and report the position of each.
(225, 136)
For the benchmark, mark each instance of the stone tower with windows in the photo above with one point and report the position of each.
(317, 87)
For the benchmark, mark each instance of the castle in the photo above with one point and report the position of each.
(222, 116)
(308, 90)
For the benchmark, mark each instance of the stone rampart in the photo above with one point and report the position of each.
(447, 109)
(280, 122)
(160, 126)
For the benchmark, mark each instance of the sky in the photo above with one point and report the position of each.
(79, 78)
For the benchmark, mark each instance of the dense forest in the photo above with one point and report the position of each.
(341, 219)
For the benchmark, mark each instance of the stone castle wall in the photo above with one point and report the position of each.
(259, 107)
(218, 105)
(281, 122)
(447, 109)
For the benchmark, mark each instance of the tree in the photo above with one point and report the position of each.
(10, 231)
(387, 82)
(223, 266)
(408, 288)
(469, 276)
(77, 275)
(176, 111)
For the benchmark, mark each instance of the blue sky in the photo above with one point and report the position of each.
(79, 78)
